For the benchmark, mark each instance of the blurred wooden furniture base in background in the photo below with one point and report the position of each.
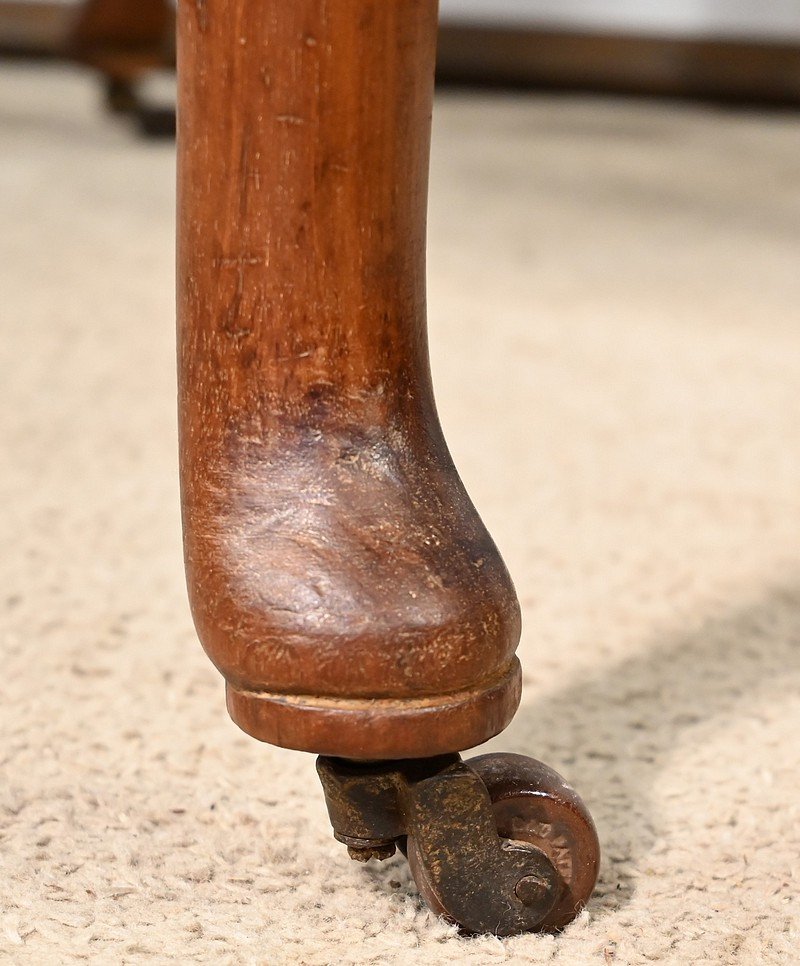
(122, 39)
(126, 38)
(735, 70)
(119, 36)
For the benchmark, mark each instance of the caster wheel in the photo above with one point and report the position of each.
(532, 805)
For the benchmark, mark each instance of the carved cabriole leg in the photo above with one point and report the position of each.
(338, 574)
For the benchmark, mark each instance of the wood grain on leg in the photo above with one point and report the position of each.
(339, 576)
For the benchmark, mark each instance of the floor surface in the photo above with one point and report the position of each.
(614, 292)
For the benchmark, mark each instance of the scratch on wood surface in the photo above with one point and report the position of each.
(237, 261)
(202, 15)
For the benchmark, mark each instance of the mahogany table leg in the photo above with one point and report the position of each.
(339, 576)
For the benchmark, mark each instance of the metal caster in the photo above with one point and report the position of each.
(498, 844)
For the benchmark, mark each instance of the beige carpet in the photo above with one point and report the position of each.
(616, 345)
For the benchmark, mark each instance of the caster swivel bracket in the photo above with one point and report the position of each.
(439, 812)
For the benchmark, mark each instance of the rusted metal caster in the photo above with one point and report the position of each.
(498, 844)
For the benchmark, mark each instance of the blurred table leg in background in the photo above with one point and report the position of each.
(124, 40)
(754, 59)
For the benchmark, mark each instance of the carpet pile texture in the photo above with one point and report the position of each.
(614, 294)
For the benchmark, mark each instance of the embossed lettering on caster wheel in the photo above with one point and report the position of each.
(532, 806)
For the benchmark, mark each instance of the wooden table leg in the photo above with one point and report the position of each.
(339, 576)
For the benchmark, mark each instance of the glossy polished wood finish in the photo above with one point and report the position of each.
(339, 576)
